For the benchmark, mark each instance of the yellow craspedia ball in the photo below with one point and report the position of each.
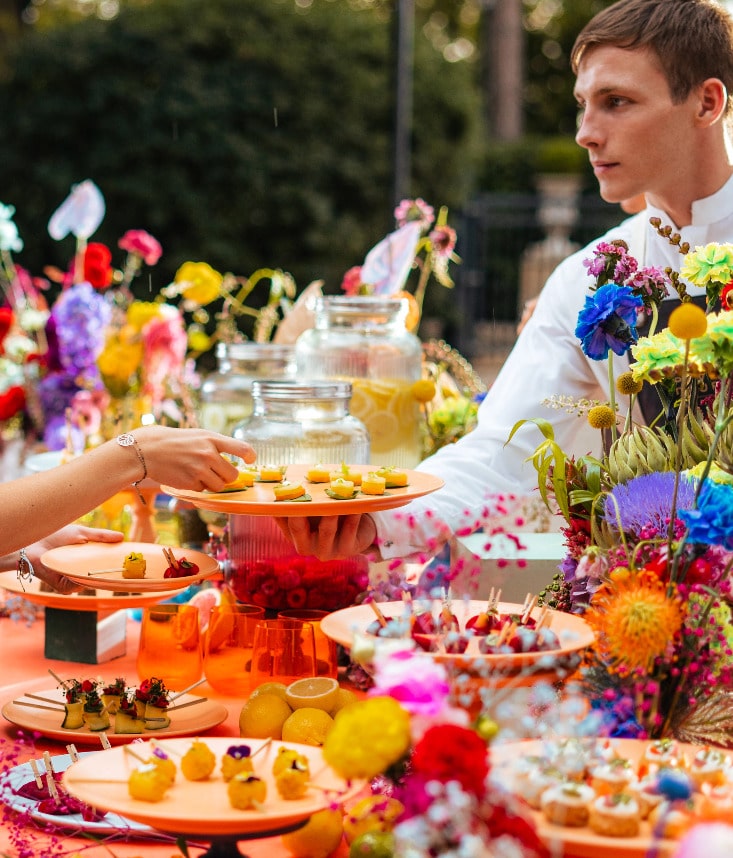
(424, 390)
(601, 417)
(688, 321)
(627, 385)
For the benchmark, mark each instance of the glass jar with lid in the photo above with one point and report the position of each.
(296, 423)
(226, 394)
(363, 340)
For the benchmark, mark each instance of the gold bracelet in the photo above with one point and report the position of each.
(127, 439)
(25, 568)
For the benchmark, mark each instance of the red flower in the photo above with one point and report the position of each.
(6, 322)
(142, 244)
(447, 752)
(503, 821)
(97, 268)
(726, 297)
(351, 284)
(11, 402)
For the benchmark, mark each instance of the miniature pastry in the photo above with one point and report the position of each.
(134, 565)
(709, 766)
(567, 804)
(318, 474)
(373, 484)
(342, 489)
(246, 792)
(613, 776)
(198, 762)
(288, 492)
(615, 815)
(292, 779)
(236, 760)
(147, 783)
(271, 473)
(347, 473)
(394, 477)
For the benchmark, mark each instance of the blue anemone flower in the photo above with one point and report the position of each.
(711, 523)
(608, 321)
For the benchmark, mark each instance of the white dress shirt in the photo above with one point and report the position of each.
(546, 360)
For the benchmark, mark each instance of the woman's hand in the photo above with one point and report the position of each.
(74, 534)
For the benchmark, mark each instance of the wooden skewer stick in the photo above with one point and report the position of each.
(58, 679)
(36, 706)
(527, 600)
(36, 774)
(56, 703)
(73, 753)
(381, 619)
(75, 780)
(106, 572)
(183, 705)
(265, 744)
(186, 690)
(128, 750)
(156, 743)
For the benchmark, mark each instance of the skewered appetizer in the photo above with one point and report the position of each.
(148, 783)
(112, 694)
(178, 568)
(237, 760)
(75, 696)
(96, 716)
(134, 565)
(198, 762)
(127, 719)
(292, 775)
(246, 791)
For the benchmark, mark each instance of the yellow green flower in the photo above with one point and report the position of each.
(118, 362)
(367, 737)
(199, 282)
(707, 265)
(716, 474)
(657, 357)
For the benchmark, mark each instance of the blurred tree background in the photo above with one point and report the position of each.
(258, 133)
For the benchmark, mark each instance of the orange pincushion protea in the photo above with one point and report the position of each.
(635, 618)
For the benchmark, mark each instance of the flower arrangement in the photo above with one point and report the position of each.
(97, 360)
(649, 527)
(421, 752)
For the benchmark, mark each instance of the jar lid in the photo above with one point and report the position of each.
(355, 307)
(285, 389)
(255, 351)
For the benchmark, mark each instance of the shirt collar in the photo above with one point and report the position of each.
(706, 211)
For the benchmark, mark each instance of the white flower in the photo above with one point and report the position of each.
(80, 213)
(33, 320)
(17, 346)
(10, 240)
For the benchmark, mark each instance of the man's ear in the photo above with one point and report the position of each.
(713, 99)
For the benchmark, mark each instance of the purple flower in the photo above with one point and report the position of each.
(81, 316)
(608, 321)
(611, 263)
(711, 522)
(646, 501)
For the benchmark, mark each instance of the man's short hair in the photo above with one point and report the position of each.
(693, 39)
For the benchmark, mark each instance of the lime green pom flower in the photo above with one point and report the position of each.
(657, 357)
(712, 264)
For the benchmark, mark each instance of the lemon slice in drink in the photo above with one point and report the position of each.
(313, 692)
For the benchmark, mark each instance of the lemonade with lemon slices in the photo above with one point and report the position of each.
(391, 413)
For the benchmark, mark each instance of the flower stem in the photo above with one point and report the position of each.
(612, 398)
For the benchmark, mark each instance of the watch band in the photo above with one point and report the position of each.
(127, 439)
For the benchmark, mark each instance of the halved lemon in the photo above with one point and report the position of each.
(313, 692)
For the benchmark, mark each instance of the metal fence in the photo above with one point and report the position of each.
(500, 242)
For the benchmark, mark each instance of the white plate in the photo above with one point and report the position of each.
(14, 778)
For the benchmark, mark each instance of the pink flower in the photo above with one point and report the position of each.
(419, 684)
(713, 840)
(165, 343)
(87, 408)
(142, 244)
(443, 240)
(419, 210)
(351, 284)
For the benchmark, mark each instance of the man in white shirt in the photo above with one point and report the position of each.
(653, 79)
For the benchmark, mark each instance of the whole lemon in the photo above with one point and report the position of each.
(307, 726)
(263, 716)
(319, 837)
(371, 814)
(344, 697)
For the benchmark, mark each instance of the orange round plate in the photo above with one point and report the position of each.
(91, 600)
(574, 633)
(202, 807)
(259, 499)
(82, 562)
(186, 722)
(583, 842)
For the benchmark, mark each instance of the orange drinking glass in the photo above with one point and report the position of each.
(170, 645)
(326, 650)
(228, 648)
(283, 650)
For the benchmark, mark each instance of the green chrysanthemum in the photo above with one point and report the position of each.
(708, 265)
(717, 345)
(657, 357)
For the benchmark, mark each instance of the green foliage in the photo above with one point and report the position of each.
(244, 133)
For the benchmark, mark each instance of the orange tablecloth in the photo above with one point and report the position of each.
(24, 668)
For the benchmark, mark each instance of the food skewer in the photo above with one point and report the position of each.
(118, 571)
(61, 682)
(181, 706)
(58, 709)
(527, 613)
(381, 619)
(187, 689)
(44, 699)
